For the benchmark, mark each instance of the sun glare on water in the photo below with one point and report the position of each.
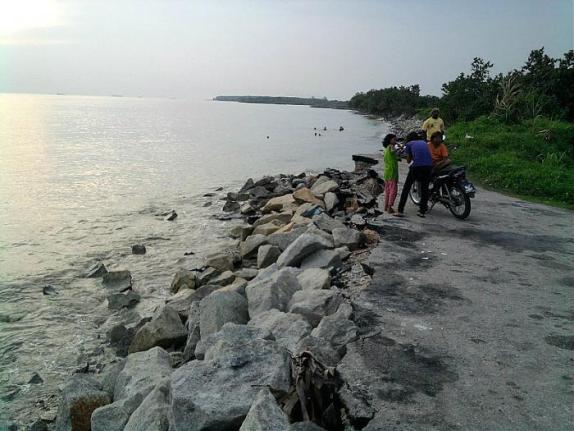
(18, 16)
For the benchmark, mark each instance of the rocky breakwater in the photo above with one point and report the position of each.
(251, 340)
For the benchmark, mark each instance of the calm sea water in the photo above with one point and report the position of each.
(84, 178)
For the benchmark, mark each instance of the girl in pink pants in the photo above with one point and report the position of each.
(391, 171)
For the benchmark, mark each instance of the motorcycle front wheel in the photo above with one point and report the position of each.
(415, 193)
(459, 204)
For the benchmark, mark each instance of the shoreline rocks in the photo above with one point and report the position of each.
(219, 351)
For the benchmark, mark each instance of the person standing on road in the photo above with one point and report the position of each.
(420, 162)
(433, 124)
(391, 172)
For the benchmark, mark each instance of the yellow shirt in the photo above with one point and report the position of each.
(432, 125)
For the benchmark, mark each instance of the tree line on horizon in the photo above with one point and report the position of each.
(542, 87)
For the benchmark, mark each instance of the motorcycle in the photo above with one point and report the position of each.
(449, 187)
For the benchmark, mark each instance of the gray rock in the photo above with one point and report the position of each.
(175, 359)
(205, 276)
(248, 248)
(343, 252)
(249, 184)
(346, 237)
(110, 375)
(183, 299)
(283, 217)
(221, 261)
(97, 270)
(358, 220)
(193, 332)
(241, 231)
(236, 369)
(267, 255)
(287, 328)
(171, 216)
(331, 201)
(80, 397)
(337, 330)
(139, 249)
(323, 259)
(152, 413)
(327, 223)
(315, 304)
(246, 273)
(142, 372)
(231, 206)
(219, 308)
(224, 279)
(165, 329)
(284, 239)
(229, 336)
(183, 279)
(117, 301)
(273, 291)
(320, 188)
(238, 286)
(265, 414)
(302, 247)
(34, 379)
(315, 278)
(117, 281)
(322, 351)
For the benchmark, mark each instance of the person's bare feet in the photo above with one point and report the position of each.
(399, 214)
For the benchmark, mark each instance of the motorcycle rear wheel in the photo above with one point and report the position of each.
(462, 210)
(415, 193)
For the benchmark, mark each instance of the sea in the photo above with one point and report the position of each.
(83, 178)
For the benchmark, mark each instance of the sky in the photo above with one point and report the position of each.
(200, 49)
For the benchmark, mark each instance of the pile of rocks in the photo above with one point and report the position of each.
(218, 354)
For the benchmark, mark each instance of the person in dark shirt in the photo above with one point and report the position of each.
(420, 162)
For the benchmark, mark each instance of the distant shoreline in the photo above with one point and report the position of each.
(281, 100)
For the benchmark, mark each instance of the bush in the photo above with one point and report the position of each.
(533, 158)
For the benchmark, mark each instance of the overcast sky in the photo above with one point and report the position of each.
(268, 47)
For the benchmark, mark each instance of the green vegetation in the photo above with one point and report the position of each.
(281, 100)
(521, 123)
(534, 158)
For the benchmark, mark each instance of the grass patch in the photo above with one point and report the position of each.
(533, 159)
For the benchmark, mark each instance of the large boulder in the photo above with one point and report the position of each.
(181, 301)
(128, 299)
(217, 393)
(275, 291)
(315, 278)
(230, 335)
(284, 239)
(81, 395)
(331, 201)
(142, 372)
(265, 414)
(337, 330)
(304, 195)
(287, 328)
(241, 231)
(302, 247)
(221, 261)
(327, 223)
(223, 279)
(315, 304)
(193, 332)
(152, 413)
(346, 237)
(268, 228)
(183, 279)
(278, 203)
(322, 187)
(323, 259)
(219, 308)
(248, 248)
(165, 329)
(267, 255)
(283, 217)
(117, 281)
(320, 349)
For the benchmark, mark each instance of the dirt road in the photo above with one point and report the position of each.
(469, 325)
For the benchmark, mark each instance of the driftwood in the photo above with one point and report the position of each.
(313, 395)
